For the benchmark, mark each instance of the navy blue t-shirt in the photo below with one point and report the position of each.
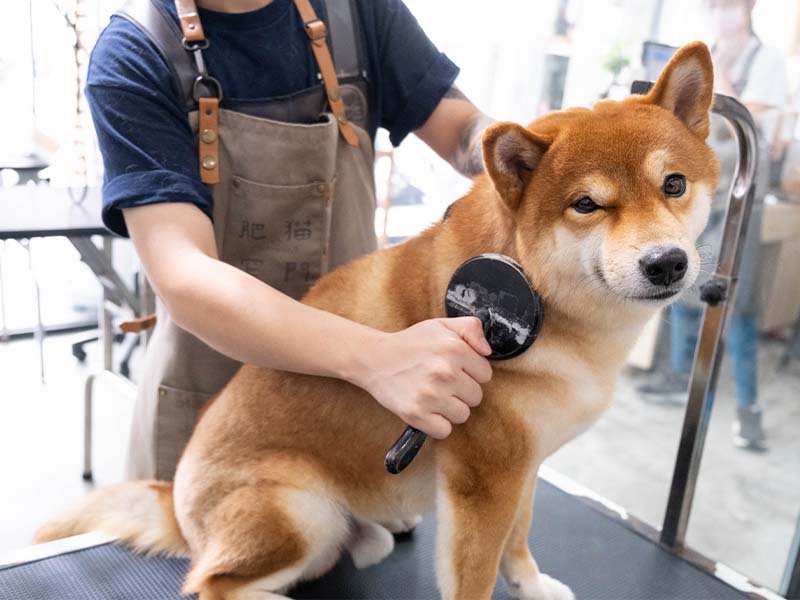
(148, 149)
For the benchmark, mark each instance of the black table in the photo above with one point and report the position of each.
(597, 555)
(28, 211)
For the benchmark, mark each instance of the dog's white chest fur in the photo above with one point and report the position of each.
(576, 393)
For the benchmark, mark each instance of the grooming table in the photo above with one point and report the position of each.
(599, 556)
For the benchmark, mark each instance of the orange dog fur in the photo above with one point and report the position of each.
(285, 470)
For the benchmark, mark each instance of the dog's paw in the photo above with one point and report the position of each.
(398, 526)
(369, 543)
(543, 587)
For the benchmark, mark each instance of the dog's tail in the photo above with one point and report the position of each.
(140, 513)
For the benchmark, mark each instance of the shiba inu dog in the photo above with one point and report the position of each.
(602, 208)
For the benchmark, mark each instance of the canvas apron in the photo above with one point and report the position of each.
(293, 200)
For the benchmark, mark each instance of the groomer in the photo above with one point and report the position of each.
(237, 142)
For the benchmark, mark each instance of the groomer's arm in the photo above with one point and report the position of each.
(428, 374)
(454, 131)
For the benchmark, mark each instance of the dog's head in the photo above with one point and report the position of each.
(609, 202)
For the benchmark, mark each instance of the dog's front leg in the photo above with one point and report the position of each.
(518, 566)
(475, 512)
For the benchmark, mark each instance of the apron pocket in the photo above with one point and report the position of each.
(176, 416)
(279, 233)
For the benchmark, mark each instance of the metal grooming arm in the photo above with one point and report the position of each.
(718, 294)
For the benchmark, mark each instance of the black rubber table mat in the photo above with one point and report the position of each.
(598, 557)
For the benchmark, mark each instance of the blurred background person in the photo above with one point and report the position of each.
(754, 73)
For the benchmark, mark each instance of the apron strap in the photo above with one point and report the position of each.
(194, 41)
(152, 18)
(190, 21)
(208, 126)
(344, 35)
(317, 32)
(138, 325)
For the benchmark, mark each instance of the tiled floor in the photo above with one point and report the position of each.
(746, 505)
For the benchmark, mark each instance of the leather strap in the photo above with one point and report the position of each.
(138, 325)
(317, 32)
(152, 18)
(344, 38)
(208, 135)
(190, 21)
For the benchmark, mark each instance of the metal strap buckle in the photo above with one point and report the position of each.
(316, 30)
(192, 46)
(210, 83)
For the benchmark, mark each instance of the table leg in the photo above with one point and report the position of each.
(39, 334)
(106, 323)
(4, 327)
(87, 428)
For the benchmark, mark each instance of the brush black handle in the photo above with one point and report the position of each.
(407, 445)
(404, 450)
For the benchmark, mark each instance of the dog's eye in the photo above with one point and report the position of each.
(674, 185)
(585, 205)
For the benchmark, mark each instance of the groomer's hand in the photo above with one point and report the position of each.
(429, 375)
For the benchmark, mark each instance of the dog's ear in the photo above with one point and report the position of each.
(686, 87)
(511, 153)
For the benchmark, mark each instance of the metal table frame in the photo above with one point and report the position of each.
(711, 341)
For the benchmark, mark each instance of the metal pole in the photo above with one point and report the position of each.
(710, 344)
(87, 428)
(39, 331)
(99, 260)
(3, 326)
(147, 305)
(106, 323)
(790, 582)
(655, 20)
(33, 64)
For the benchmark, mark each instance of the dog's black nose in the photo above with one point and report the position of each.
(664, 266)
